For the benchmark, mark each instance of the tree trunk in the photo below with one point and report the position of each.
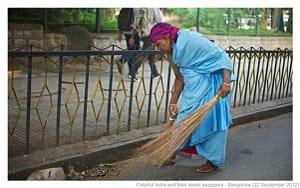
(274, 18)
(264, 18)
(289, 27)
(281, 23)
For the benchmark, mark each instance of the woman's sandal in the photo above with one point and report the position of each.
(206, 168)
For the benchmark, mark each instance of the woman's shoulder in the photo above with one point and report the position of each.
(189, 34)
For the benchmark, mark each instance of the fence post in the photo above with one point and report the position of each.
(278, 20)
(45, 20)
(110, 88)
(29, 79)
(290, 56)
(86, 91)
(228, 19)
(61, 61)
(198, 20)
(97, 20)
(257, 21)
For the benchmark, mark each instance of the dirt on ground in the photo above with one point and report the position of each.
(107, 171)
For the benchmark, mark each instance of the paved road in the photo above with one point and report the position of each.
(260, 150)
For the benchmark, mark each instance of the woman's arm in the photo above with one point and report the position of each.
(225, 87)
(178, 86)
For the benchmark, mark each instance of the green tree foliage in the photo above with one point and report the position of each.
(212, 20)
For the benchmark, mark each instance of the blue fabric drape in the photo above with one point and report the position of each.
(201, 63)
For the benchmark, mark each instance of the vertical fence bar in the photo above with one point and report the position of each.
(133, 67)
(110, 92)
(229, 56)
(266, 77)
(168, 91)
(86, 94)
(59, 97)
(247, 79)
(290, 72)
(257, 74)
(237, 77)
(198, 20)
(274, 74)
(29, 79)
(150, 99)
(281, 64)
(130, 105)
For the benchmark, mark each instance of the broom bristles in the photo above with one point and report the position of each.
(148, 147)
(161, 149)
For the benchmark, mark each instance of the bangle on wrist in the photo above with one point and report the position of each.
(226, 84)
(172, 105)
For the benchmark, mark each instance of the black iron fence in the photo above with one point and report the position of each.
(58, 97)
(262, 75)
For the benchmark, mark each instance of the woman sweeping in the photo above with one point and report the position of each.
(202, 69)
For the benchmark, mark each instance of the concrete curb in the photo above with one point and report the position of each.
(120, 147)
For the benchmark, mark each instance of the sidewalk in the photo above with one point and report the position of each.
(258, 141)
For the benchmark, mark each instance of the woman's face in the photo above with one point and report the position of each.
(164, 44)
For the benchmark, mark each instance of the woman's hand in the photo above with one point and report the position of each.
(131, 41)
(173, 111)
(224, 90)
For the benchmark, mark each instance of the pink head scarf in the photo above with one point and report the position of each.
(160, 30)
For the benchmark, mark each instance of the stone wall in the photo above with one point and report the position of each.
(20, 35)
(23, 35)
(269, 43)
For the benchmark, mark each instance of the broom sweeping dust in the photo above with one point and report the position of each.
(163, 147)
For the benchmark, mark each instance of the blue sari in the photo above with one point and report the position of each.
(201, 63)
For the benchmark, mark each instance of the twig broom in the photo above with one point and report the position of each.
(162, 148)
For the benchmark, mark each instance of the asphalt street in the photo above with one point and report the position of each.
(260, 150)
